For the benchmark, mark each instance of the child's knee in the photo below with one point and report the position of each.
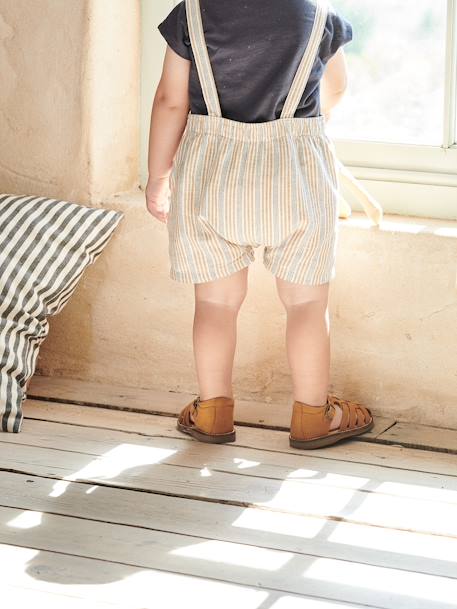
(229, 291)
(295, 294)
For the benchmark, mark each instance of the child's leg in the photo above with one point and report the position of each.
(217, 304)
(308, 341)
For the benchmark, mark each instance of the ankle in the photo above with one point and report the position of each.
(205, 397)
(315, 403)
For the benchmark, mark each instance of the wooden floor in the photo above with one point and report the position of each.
(108, 508)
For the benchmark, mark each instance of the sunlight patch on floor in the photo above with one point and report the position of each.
(391, 581)
(26, 520)
(245, 463)
(399, 542)
(114, 462)
(331, 479)
(298, 497)
(417, 491)
(279, 523)
(234, 554)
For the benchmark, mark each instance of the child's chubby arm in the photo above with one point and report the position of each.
(334, 82)
(168, 120)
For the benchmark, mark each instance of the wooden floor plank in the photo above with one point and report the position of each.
(261, 439)
(419, 436)
(166, 402)
(238, 564)
(97, 581)
(240, 460)
(319, 537)
(140, 467)
(20, 598)
(107, 505)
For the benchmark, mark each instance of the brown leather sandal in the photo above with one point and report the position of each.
(208, 420)
(310, 424)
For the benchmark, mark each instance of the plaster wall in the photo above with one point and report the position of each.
(69, 102)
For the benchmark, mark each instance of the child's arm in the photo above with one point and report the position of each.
(168, 120)
(333, 82)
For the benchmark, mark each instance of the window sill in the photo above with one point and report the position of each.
(410, 180)
(403, 224)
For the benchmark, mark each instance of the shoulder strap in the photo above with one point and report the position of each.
(200, 51)
(304, 69)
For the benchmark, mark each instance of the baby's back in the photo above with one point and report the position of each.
(255, 47)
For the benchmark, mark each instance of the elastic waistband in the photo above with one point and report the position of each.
(202, 123)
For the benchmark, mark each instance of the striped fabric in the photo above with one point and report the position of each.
(45, 246)
(235, 186)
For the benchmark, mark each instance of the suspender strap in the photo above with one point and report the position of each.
(307, 61)
(205, 72)
(200, 51)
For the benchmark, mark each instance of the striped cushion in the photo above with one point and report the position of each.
(45, 246)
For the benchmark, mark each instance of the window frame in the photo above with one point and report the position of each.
(394, 168)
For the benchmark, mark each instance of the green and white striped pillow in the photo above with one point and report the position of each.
(45, 246)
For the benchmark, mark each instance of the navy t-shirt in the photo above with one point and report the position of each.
(255, 47)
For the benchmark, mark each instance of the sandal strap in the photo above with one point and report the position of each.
(353, 415)
(185, 416)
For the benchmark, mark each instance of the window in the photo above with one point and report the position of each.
(396, 125)
(397, 72)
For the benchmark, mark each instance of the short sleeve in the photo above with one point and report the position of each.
(174, 29)
(338, 31)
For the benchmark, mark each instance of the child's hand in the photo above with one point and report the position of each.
(157, 198)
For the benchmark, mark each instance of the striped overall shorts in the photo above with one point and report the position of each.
(235, 186)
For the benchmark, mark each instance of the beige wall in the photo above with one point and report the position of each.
(70, 128)
(69, 98)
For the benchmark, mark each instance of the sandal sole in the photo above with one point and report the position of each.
(206, 437)
(330, 438)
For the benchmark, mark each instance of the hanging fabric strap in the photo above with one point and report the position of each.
(304, 69)
(200, 51)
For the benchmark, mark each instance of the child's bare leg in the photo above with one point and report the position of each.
(308, 341)
(217, 304)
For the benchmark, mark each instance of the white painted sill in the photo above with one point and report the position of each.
(402, 224)
(407, 180)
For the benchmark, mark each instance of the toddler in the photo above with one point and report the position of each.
(239, 158)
